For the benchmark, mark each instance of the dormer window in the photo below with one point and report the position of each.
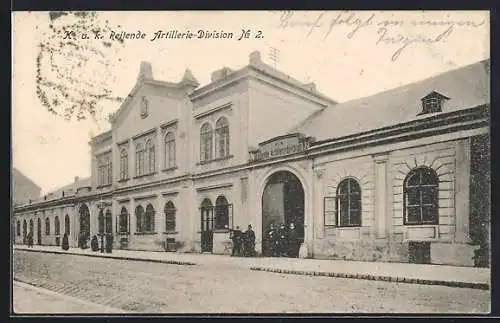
(433, 102)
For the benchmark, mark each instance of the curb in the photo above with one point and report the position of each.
(170, 262)
(393, 279)
(69, 298)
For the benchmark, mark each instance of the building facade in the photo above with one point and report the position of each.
(400, 176)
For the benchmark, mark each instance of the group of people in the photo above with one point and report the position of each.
(282, 241)
(243, 242)
(29, 239)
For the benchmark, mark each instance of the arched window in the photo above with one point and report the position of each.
(109, 221)
(420, 194)
(18, 228)
(66, 224)
(123, 164)
(101, 221)
(151, 161)
(207, 217)
(221, 220)
(104, 171)
(206, 134)
(170, 217)
(32, 227)
(25, 228)
(47, 226)
(349, 203)
(139, 216)
(149, 222)
(123, 222)
(169, 150)
(222, 137)
(57, 226)
(139, 159)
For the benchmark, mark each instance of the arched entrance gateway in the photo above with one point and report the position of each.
(282, 206)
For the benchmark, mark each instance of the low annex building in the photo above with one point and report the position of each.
(400, 176)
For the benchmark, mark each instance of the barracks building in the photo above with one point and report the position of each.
(399, 176)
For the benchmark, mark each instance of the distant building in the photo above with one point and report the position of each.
(400, 176)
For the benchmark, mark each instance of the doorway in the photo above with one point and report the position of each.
(84, 224)
(283, 204)
(207, 225)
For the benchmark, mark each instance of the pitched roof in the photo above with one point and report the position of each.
(466, 87)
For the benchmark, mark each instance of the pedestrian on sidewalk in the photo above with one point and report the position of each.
(282, 241)
(249, 242)
(269, 240)
(65, 242)
(94, 244)
(236, 237)
(30, 239)
(293, 241)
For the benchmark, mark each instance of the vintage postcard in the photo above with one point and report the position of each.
(251, 162)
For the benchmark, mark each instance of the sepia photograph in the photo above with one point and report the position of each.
(250, 162)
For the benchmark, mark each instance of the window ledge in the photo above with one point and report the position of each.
(214, 160)
(420, 225)
(170, 232)
(103, 186)
(170, 169)
(123, 233)
(145, 233)
(123, 180)
(145, 175)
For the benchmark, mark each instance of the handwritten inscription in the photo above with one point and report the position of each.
(385, 31)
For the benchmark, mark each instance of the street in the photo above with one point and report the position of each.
(164, 288)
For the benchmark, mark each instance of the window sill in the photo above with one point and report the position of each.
(103, 186)
(170, 169)
(123, 233)
(145, 233)
(342, 226)
(214, 160)
(420, 225)
(145, 175)
(170, 232)
(123, 180)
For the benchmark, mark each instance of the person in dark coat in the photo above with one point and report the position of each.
(282, 239)
(269, 241)
(65, 242)
(236, 236)
(94, 243)
(30, 239)
(249, 240)
(293, 241)
(109, 242)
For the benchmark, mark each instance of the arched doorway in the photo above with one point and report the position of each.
(84, 223)
(39, 232)
(66, 224)
(283, 204)
(25, 231)
(207, 225)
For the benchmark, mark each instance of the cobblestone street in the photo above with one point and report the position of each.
(163, 288)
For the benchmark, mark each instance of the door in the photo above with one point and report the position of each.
(207, 223)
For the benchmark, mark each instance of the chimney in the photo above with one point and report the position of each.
(255, 57)
(189, 82)
(77, 179)
(220, 74)
(145, 72)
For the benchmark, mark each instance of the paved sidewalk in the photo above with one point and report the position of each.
(467, 277)
(28, 299)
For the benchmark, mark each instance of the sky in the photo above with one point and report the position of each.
(347, 54)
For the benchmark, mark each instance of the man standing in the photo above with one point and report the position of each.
(293, 241)
(269, 241)
(249, 242)
(282, 239)
(236, 236)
